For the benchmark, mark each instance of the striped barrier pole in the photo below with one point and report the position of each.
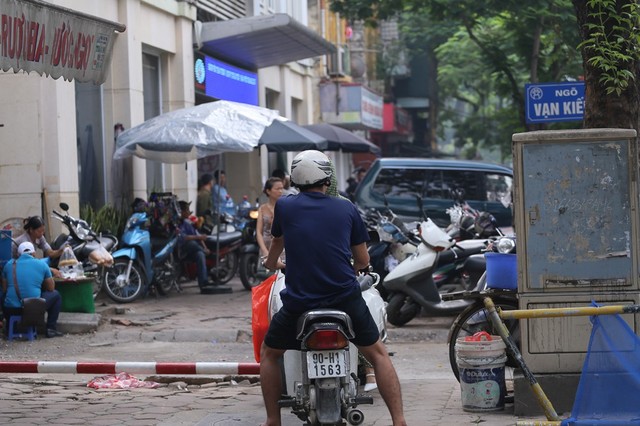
(72, 367)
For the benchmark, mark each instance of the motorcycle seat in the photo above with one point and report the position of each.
(456, 253)
(315, 316)
(224, 238)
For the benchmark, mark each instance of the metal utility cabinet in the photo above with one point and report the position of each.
(576, 218)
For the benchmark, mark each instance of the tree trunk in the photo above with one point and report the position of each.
(602, 109)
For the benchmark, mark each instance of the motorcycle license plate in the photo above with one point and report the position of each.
(326, 364)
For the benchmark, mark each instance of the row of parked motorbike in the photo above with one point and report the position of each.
(417, 262)
(147, 257)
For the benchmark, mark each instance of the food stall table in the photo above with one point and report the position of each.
(77, 294)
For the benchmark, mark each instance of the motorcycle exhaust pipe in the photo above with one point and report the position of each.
(355, 417)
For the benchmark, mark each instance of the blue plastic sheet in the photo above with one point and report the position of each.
(609, 386)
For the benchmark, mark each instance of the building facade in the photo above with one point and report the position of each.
(59, 136)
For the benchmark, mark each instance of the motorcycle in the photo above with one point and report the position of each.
(223, 241)
(92, 250)
(411, 284)
(321, 378)
(142, 260)
(391, 242)
(453, 269)
(250, 270)
(462, 217)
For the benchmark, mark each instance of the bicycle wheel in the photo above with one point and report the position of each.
(474, 319)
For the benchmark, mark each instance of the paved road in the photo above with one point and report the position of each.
(190, 327)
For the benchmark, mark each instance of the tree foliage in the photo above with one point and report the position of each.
(487, 51)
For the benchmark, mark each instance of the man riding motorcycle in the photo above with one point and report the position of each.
(319, 274)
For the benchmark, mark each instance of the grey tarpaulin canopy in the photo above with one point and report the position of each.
(213, 128)
(343, 139)
(196, 132)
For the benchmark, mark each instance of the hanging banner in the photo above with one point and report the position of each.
(55, 41)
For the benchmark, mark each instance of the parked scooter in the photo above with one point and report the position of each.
(250, 270)
(321, 378)
(462, 217)
(390, 243)
(454, 271)
(411, 285)
(139, 262)
(91, 249)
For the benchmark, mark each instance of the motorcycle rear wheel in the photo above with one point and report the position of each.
(222, 275)
(118, 288)
(401, 309)
(474, 319)
(166, 276)
(248, 270)
(97, 283)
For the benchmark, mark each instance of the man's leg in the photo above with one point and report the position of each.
(195, 252)
(387, 379)
(271, 382)
(201, 265)
(54, 305)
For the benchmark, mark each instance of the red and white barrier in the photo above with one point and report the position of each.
(72, 367)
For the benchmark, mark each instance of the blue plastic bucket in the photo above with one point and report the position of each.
(502, 271)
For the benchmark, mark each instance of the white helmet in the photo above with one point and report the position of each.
(310, 168)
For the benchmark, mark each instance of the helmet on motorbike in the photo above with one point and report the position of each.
(310, 168)
(486, 225)
(467, 225)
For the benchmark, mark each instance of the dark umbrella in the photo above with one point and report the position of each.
(283, 136)
(342, 139)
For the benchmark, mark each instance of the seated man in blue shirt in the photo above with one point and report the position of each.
(34, 279)
(193, 247)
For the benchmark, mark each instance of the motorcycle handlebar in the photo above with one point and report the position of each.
(368, 280)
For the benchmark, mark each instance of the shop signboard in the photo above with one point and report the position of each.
(352, 106)
(220, 80)
(55, 41)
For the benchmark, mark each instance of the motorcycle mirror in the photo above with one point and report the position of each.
(423, 214)
(374, 237)
(64, 206)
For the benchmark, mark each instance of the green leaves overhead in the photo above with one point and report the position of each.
(486, 52)
(611, 42)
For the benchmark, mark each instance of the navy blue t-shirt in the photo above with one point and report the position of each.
(319, 231)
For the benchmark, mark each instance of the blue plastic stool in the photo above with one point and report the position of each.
(29, 334)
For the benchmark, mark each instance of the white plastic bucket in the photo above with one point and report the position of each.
(481, 360)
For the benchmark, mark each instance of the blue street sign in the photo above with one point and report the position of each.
(550, 102)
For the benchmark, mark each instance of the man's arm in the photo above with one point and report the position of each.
(4, 284)
(360, 256)
(273, 261)
(48, 284)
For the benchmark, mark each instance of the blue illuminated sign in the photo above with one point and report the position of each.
(224, 81)
(550, 102)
